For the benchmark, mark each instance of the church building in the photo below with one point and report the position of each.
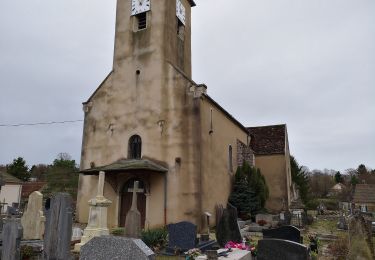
(150, 122)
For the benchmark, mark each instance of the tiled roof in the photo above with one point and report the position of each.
(364, 193)
(266, 140)
(7, 178)
(30, 187)
(127, 165)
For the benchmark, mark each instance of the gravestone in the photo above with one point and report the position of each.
(33, 220)
(227, 229)
(182, 236)
(97, 223)
(290, 233)
(119, 248)
(133, 217)
(58, 230)
(12, 234)
(360, 238)
(270, 249)
(342, 224)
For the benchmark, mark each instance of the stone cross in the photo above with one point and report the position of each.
(133, 217)
(101, 184)
(135, 190)
(97, 223)
(12, 235)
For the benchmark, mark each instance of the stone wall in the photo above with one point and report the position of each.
(245, 153)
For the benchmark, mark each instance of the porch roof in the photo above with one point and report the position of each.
(127, 165)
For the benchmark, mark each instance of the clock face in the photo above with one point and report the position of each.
(180, 11)
(140, 6)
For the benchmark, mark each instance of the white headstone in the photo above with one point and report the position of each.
(33, 220)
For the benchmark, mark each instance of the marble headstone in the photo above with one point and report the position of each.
(119, 248)
(33, 219)
(12, 234)
(182, 235)
(290, 233)
(133, 217)
(227, 229)
(58, 231)
(281, 250)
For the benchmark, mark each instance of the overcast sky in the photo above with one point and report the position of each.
(307, 63)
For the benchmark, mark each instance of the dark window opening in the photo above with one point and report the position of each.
(180, 29)
(135, 147)
(142, 21)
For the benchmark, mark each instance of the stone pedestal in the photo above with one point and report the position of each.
(97, 223)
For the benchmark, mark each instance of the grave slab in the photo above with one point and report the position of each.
(119, 248)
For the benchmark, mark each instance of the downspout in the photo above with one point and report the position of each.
(165, 198)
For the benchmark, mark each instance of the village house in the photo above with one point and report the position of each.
(10, 193)
(148, 121)
(364, 198)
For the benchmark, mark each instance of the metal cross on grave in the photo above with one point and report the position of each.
(135, 190)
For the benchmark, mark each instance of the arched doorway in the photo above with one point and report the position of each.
(126, 201)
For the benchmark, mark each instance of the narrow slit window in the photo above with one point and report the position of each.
(180, 30)
(141, 21)
(230, 158)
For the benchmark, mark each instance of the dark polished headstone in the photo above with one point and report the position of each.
(271, 249)
(227, 229)
(182, 235)
(119, 248)
(58, 231)
(290, 233)
(12, 234)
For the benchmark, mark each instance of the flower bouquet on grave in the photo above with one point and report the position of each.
(252, 245)
(192, 254)
(234, 245)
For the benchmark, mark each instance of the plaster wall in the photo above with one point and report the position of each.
(274, 169)
(10, 193)
(147, 94)
(216, 173)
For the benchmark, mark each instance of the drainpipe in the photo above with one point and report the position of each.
(165, 198)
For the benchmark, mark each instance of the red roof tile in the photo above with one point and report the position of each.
(267, 140)
(364, 193)
(30, 187)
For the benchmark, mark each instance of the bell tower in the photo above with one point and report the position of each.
(157, 30)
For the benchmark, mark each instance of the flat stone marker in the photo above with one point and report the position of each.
(58, 231)
(227, 228)
(119, 248)
(12, 234)
(133, 217)
(33, 220)
(290, 233)
(182, 235)
(271, 249)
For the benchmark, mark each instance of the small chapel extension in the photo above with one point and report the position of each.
(150, 122)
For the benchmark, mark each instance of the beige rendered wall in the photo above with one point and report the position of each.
(156, 104)
(216, 176)
(273, 167)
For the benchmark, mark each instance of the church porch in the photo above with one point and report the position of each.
(151, 194)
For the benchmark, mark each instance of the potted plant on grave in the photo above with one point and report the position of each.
(262, 222)
(26, 252)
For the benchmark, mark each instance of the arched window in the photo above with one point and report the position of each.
(135, 147)
(230, 158)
